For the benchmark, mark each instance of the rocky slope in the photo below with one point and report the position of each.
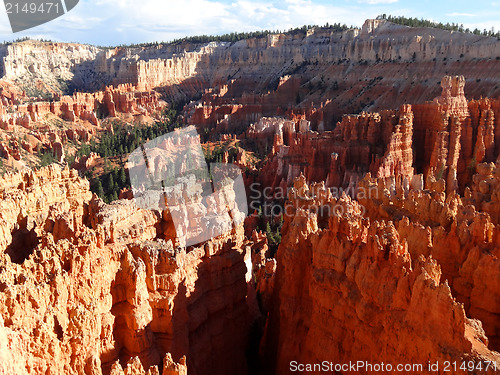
(93, 288)
(351, 287)
(31, 126)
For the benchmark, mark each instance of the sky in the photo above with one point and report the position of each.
(115, 22)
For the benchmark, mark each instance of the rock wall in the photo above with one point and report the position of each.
(376, 40)
(92, 288)
(351, 287)
(381, 65)
(377, 143)
(39, 66)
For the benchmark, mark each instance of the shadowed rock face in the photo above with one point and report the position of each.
(368, 288)
(402, 271)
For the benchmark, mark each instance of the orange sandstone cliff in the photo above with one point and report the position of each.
(92, 288)
(356, 287)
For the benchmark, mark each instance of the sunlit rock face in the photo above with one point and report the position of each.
(94, 288)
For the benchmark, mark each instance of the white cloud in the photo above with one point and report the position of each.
(461, 15)
(375, 2)
(111, 22)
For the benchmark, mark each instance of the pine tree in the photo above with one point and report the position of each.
(116, 174)
(277, 236)
(122, 178)
(111, 183)
(269, 233)
(106, 165)
(99, 189)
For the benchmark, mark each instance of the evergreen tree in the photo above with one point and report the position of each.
(106, 165)
(111, 183)
(277, 236)
(99, 190)
(122, 177)
(269, 233)
(116, 174)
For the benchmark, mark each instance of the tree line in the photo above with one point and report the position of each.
(236, 36)
(415, 22)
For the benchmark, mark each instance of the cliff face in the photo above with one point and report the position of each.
(40, 126)
(38, 66)
(381, 65)
(268, 57)
(351, 287)
(85, 284)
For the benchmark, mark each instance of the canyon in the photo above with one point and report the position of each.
(378, 149)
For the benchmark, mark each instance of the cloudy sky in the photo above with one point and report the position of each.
(114, 22)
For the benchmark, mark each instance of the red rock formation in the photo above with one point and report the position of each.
(485, 190)
(450, 230)
(380, 143)
(40, 120)
(403, 275)
(85, 284)
(441, 139)
(330, 245)
(86, 162)
(349, 288)
(83, 106)
(452, 136)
